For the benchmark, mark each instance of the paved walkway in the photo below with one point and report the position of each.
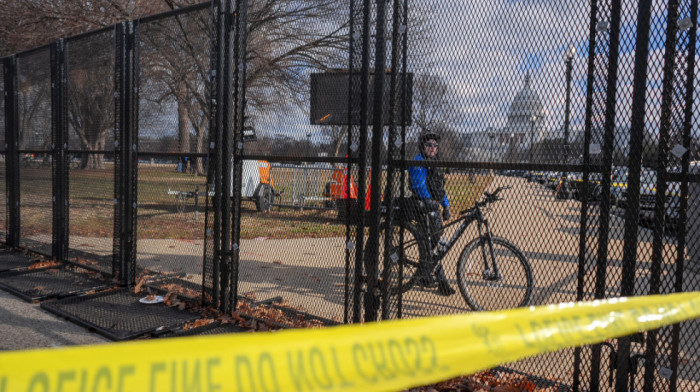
(26, 326)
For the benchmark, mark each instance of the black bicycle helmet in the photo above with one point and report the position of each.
(425, 136)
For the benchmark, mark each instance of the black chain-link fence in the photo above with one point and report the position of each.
(91, 146)
(3, 158)
(292, 244)
(35, 150)
(362, 160)
(173, 143)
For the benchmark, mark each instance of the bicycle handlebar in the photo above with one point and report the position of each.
(488, 199)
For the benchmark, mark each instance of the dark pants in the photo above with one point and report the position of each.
(435, 221)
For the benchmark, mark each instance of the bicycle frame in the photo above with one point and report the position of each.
(473, 214)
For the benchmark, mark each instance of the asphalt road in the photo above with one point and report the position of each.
(27, 326)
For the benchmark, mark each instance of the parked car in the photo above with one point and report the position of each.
(552, 180)
(618, 187)
(575, 186)
(538, 177)
(534, 176)
(647, 196)
(647, 189)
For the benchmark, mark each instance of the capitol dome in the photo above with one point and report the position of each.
(526, 103)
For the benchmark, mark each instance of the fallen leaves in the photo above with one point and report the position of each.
(280, 315)
(171, 300)
(84, 261)
(198, 323)
(180, 290)
(139, 285)
(44, 264)
(488, 381)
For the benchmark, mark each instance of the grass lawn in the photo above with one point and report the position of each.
(92, 205)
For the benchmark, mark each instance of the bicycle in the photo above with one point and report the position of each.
(492, 272)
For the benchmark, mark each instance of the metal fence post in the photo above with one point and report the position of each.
(4, 64)
(12, 157)
(629, 258)
(228, 58)
(362, 164)
(238, 106)
(348, 170)
(372, 261)
(608, 142)
(216, 183)
(58, 147)
(119, 74)
(667, 110)
(210, 263)
(689, 209)
(393, 164)
(583, 233)
(126, 170)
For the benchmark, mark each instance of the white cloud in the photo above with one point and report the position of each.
(483, 51)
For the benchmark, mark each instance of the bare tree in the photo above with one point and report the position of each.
(434, 102)
(338, 136)
(31, 23)
(175, 69)
(286, 40)
(435, 109)
(90, 96)
(26, 24)
(34, 83)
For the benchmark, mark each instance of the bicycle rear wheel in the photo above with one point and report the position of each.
(414, 250)
(512, 290)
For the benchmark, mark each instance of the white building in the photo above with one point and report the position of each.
(523, 129)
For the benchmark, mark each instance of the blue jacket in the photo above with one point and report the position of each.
(418, 176)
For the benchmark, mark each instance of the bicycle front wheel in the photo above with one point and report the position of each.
(484, 291)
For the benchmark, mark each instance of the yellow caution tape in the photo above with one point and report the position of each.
(382, 356)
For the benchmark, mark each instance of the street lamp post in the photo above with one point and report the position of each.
(533, 119)
(568, 60)
(489, 132)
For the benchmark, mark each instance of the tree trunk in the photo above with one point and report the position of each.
(183, 124)
(95, 161)
(199, 169)
(339, 137)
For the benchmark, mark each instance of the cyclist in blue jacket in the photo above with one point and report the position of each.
(428, 184)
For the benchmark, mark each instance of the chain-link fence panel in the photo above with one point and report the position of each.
(685, 345)
(173, 142)
(34, 145)
(636, 225)
(3, 159)
(666, 156)
(3, 148)
(170, 242)
(295, 145)
(498, 108)
(91, 145)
